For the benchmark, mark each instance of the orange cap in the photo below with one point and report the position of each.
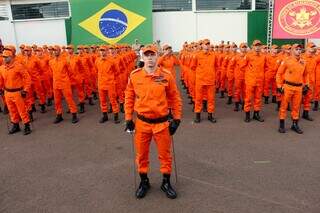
(45, 47)
(27, 48)
(274, 46)
(63, 47)
(7, 53)
(166, 46)
(243, 45)
(11, 48)
(256, 43)
(103, 48)
(56, 47)
(286, 47)
(39, 49)
(206, 41)
(150, 48)
(294, 46)
(70, 46)
(22, 46)
(311, 45)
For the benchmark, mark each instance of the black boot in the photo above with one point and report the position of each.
(14, 129)
(281, 126)
(256, 116)
(266, 100)
(81, 108)
(27, 129)
(278, 105)
(49, 102)
(42, 108)
(191, 101)
(5, 110)
(74, 118)
(198, 118)
(121, 107)
(217, 90)
(222, 94)
(30, 116)
(104, 118)
(116, 118)
(274, 99)
(90, 101)
(204, 106)
(229, 100)
(211, 118)
(58, 119)
(110, 109)
(236, 106)
(289, 108)
(167, 188)
(33, 108)
(247, 119)
(144, 186)
(306, 115)
(95, 97)
(295, 127)
(0, 109)
(316, 106)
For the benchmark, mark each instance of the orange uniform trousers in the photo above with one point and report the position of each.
(253, 94)
(110, 91)
(270, 81)
(143, 135)
(291, 94)
(36, 87)
(67, 93)
(209, 92)
(230, 86)
(17, 108)
(239, 90)
(77, 90)
(306, 100)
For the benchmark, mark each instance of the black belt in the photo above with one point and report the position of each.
(293, 84)
(13, 90)
(153, 120)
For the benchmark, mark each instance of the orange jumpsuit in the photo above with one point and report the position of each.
(317, 81)
(119, 77)
(272, 65)
(204, 66)
(86, 73)
(14, 78)
(61, 84)
(169, 63)
(76, 78)
(291, 76)
(46, 76)
(311, 64)
(230, 74)
(107, 83)
(148, 96)
(254, 78)
(33, 66)
(239, 73)
(224, 66)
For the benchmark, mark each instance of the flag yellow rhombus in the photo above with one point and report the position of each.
(92, 23)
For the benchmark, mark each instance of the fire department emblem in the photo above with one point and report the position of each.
(300, 17)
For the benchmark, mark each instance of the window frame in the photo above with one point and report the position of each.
(42, 19)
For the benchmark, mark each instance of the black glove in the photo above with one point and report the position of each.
(280, 90)
(1, 92)
(23, 94)
(173, 126)
(129, 126)
(305, 90)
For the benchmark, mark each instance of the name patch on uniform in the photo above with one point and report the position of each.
(160, 79)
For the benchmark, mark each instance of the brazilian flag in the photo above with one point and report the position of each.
(111, 21)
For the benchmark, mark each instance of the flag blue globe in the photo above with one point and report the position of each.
(113, 23)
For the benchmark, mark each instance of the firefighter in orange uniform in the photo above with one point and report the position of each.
(204, 66)
(15, 81)
(61, 85)
(230, 72)
(317, 83)
(107, 84)
(148, 92)
(254, 78)
(168, 60)
(292, 82)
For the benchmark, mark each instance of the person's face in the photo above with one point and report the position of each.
(274, 51)
(39, 53)
(28, 52)
(8, 59)
(56, 52)
(150, 59)
(257, 48)
(311, 51)
(297, 51)
(80, 51)
(227, 50)
(103, 53)
(168, 51)
(206, 47)
(70, 51)
(264, 50)
(243, 49)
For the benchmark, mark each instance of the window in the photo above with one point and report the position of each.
(172, 5)
(223, 4)
(262, 4)
(40, 10)
(3, 12)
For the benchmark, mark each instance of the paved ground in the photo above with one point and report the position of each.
(230, 166)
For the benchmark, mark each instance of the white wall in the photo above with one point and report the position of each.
(41, 32)
(7, 34)
(175, 28)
